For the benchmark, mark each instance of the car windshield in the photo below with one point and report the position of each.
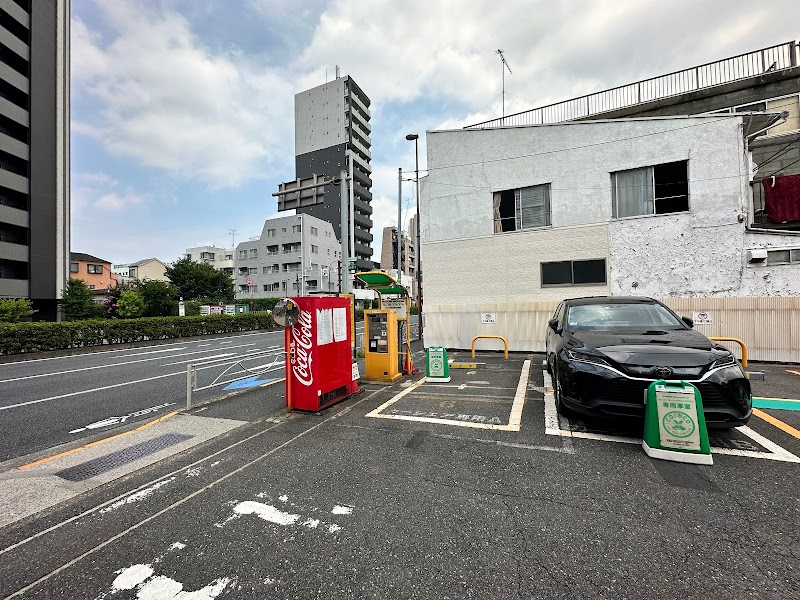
(613, 316)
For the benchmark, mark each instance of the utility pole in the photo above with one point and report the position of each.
(399, 226)
(503, 67)
(344, 231)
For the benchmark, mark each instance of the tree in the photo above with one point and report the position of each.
(77, 300)
(158, 296)
(193, 280)
(13, 311)
(130, 305)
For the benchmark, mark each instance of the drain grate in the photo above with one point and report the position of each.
(97, 466)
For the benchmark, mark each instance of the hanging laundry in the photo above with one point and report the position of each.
(782, 196)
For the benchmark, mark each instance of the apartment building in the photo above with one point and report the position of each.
(332, 133)
(297, 254)
(34, 152)
(408, 258)
(219, 258)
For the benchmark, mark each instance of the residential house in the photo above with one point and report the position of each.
(93, 271)
(149, 268)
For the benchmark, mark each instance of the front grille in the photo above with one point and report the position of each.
(685, 373)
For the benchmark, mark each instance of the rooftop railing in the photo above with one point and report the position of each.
(727, 70)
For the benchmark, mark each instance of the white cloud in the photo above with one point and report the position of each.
(169, 103)
(100, 191)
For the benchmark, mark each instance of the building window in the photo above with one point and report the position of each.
(229, 257)
(522, 208)
(207, 255)
(253, 252)
(296, 229)
(252, 271)
(574, 272)
(314, 231)
(657, 190)
(242, 254)
(91, 287)
(272, 250)
(270, 233)
(73, 267)
(188, 257)
(94, 268)
(283, 229)
(783, 257)
(314, 249)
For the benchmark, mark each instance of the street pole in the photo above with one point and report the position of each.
(399, 226)
(418, 248)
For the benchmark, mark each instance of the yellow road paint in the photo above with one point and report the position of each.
(98, 442)
(273, 382)
(777, 422)
(456, 365)
(793, 372)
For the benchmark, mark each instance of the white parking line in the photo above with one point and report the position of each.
(552, 426)
(514, 421)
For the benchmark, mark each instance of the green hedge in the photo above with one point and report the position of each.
(16, 338)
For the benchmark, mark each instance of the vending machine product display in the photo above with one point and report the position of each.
(319, 368)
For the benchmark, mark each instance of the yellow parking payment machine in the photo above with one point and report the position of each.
(380, 346)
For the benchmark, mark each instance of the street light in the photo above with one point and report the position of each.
(415, 138)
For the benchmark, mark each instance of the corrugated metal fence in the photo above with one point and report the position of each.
(770, 326)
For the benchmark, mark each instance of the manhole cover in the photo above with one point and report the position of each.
(97, 466)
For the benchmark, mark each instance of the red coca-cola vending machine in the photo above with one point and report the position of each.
(319, 368)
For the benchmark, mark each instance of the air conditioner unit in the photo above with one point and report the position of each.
(758, 255)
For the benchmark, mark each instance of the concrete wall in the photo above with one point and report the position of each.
(319, 117)
(468, 268)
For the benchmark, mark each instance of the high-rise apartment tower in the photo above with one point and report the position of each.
(332, 133)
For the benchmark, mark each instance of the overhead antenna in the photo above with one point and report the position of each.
(503, 67)
(233, 237)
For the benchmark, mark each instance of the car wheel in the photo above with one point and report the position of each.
(561, 408)
(547, 365)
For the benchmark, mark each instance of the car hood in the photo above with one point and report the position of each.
(680, 348)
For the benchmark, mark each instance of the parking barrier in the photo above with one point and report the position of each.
(493, 337)
(738, 341)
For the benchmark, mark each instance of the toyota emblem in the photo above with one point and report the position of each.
(663, 372)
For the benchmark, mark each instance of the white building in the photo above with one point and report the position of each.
(295, 254)
(219, 258)
(515, 219)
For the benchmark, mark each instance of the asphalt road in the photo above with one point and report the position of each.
(408, 492)
(47, 402)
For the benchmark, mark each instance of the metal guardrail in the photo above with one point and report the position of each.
(727, 70)
(192, 369)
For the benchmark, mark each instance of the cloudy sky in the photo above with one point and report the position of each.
(182, 110)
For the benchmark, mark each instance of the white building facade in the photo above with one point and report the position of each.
(219, 258)
(516, 219)
(296, 254)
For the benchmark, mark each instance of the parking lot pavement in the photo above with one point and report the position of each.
(419, 490)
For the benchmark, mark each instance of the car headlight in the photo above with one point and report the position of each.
(587, 358)
(725, 361)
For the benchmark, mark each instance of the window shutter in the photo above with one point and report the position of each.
(531, 205)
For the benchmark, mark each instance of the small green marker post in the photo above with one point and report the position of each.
(437, 368)
(674, 424)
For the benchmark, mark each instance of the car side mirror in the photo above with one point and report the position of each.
(688, 321)
(553, 324)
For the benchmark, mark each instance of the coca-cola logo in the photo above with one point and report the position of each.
(302, 349)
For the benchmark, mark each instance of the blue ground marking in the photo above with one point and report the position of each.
(247, 383)
(777, 403)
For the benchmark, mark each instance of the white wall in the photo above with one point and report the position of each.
(466, 266)
(319, 117)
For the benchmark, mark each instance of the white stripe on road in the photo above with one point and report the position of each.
(151, 352)
(130, 362)
(107, 387)
(99, 389)
(84, 354)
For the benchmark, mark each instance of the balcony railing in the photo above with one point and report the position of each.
(736, 68)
